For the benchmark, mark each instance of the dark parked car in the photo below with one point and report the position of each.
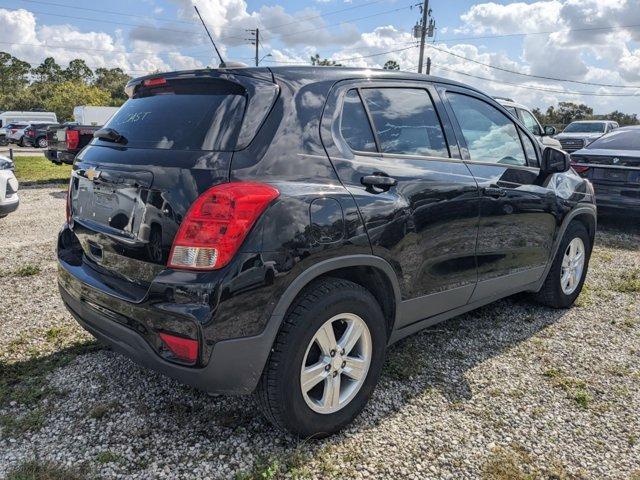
(320, 215)
(35, 135)
(66, 140)
(612, 164)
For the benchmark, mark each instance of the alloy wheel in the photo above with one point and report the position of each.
(572, 266)
(336, 363)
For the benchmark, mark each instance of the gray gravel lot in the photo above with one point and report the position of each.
(513, 390)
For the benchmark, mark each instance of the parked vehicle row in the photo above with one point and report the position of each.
(273, 230)
(579, 134)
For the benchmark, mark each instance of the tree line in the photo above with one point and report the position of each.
(54, 88)
(567, 112)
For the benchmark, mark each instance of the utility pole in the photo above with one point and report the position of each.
(255, 40)
(423, 30)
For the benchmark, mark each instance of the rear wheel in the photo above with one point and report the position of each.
(567, 274)
(42, 142)
(325, 361)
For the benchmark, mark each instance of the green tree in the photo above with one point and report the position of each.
(48, 71)
(14, 74)
(112, 80)
(77, 71)
(391, 65)
(323, 62)
(569, 112)
(63, 97)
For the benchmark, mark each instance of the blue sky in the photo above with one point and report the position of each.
(592, 42)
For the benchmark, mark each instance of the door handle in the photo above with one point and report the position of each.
(495, 192)
(380, 180)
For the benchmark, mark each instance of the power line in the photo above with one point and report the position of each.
(556, 79)
(547, 32)
(348, 59)
(541, 89)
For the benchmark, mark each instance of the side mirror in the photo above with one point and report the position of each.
(549, 130)
(555, 160)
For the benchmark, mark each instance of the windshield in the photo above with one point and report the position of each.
(182, 115)
(585, 127)
(618, 140)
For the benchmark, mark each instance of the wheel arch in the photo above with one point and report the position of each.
(373, 273)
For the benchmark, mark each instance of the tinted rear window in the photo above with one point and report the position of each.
(183, 115)
(618, 140)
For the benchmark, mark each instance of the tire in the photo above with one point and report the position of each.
(21, 142)
(552, 292)
(42, 142)
(279, 392)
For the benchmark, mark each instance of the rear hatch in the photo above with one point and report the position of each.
(178, 134)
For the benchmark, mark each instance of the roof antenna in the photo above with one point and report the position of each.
(222, 65)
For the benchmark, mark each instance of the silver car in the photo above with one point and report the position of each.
(579, 134)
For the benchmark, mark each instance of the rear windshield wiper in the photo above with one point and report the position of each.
(110, 135)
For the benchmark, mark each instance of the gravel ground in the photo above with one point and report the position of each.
(512, 390)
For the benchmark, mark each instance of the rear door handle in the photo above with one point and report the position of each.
(495, 192)
(379, 180)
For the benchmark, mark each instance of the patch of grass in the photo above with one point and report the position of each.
(628, 282)
(27, 270)
(289, 465)
(32, 421)
(44, 470)
(101, 410)
(108, 457)
(25, 381)
(402, 361)
(575, 388)
(585, 298)
(34, 170)
(507, 464)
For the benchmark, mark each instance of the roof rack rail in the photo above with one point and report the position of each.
(506, 99)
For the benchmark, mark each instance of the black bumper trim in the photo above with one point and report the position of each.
(235, 365)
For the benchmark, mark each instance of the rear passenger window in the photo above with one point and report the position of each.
(491, 137)
(405, 121)
(354, 124)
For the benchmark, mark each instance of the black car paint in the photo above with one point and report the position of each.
(615, 175)
(324, 222)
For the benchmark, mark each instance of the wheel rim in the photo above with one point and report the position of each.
(336, 363)
(572, 266)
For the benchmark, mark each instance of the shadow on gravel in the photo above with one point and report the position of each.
(616, 223)
(441, 355)
(25, 381)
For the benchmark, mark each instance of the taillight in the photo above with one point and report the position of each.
(72, 139)
(217, 223)
(578, 168)
(183, 349)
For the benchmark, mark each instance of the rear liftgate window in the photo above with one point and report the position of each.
(190, 114)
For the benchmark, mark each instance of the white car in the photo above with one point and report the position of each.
(15, 133)
(544, 135)
(8, 187)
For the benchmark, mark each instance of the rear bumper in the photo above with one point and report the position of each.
(235, 365)
(9, 206)
(59, 156)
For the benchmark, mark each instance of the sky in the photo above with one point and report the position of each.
(535, 52)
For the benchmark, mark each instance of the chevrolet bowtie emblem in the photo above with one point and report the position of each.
(616, 160)
(93, 174)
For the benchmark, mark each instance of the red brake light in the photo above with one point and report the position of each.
(184, 349)
(73, 139)
(217, 223)
(578, 168)
(154, 82)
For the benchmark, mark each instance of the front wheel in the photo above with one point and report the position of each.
(569, 269)
(42, 142)
(325, 361)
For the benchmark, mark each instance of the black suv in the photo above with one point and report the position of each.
(35, 135)
(273, 230)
